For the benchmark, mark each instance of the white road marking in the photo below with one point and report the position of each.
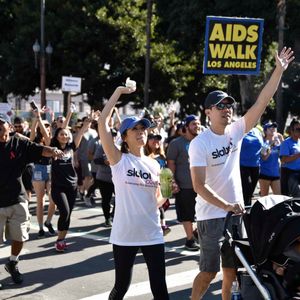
(98, 237)
(143, 288)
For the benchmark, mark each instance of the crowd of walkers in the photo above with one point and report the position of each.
(212, 166)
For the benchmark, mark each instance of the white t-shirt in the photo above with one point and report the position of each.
(136, 219)
(220, 155)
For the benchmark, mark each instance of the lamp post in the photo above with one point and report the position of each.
(40, 51)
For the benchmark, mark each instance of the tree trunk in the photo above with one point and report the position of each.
(281, 12)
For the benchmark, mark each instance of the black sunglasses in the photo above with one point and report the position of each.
(221, 106)
(155, 137)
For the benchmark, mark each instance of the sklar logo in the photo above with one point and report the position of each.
(140, 174)
(224, 151)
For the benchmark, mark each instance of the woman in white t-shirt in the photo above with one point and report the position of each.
(136, 223)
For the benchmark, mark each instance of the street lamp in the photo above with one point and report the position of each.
(39, 51)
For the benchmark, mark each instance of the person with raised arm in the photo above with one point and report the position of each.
(41, 134)
(64, 179)
(214, 163)
(136, 223)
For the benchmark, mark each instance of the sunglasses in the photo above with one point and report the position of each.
(221, 105)
(154, 137)
(297, 129)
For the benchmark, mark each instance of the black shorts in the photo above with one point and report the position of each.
(266, 177)
(185, 201)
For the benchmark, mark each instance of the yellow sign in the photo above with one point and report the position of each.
(232, 45)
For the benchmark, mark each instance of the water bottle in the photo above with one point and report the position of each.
(166, 177)
(235, 291)
(277, 141)
(265, 147)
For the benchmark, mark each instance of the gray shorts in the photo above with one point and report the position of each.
(213, 245)
(15, 222)
(85, 168)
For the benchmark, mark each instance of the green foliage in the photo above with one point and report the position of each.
(88, 35)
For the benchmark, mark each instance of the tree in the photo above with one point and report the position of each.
(89, 35)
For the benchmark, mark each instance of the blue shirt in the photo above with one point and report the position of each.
(270, 166)
(162, 162)
(251, 147)
(289, 147)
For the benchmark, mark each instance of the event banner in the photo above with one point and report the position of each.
(232, 45)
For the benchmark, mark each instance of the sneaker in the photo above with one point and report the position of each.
(87, 201)
(66, 245)
(50, 228)
(12, 268)
(81, 196)
(191, 245)
(166, 229)
(195, 234)
(60, 246)
(107, 223)
(41, 233)
(93, 200)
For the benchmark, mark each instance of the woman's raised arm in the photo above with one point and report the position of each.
(112, 152)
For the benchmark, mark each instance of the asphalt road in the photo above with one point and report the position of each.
(86, 269)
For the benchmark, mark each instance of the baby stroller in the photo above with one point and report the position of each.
(270, 256)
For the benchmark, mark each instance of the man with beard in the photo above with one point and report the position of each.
(178, 162)
(214, 161)
(15, 154)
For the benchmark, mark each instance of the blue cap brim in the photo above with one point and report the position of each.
(145, 122)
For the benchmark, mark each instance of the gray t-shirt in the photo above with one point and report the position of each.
(92, 146)
(82, 151)
(178, 151)
(103, 171)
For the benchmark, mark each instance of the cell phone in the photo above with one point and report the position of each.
(33, 105)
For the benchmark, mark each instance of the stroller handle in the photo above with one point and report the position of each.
(226, 232)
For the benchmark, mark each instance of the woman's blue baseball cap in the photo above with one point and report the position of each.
(131, 122)
(269, 125)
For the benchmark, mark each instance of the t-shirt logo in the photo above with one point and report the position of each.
(223, 151)
(139, 174)
(12, 155)
(67, 155)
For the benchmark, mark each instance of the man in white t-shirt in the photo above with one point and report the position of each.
(214, 164)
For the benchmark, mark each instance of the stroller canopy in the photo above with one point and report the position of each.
(272, 224)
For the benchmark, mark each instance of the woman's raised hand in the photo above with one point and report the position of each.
(284, 58)
(126, 90)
